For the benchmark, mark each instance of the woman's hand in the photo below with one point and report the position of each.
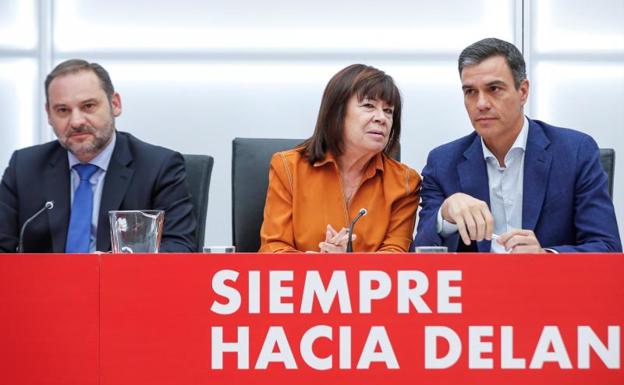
(335, 241)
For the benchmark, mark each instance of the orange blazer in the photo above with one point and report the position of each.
(302, 199)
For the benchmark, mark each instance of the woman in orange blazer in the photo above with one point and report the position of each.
(318, 188)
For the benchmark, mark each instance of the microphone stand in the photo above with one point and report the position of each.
(49, 205)
(361, 213)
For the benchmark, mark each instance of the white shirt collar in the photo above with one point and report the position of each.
(520, 142)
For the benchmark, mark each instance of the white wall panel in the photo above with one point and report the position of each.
(587, 95)
(17, 98)
(257, 26)
(18, 24)
(578, 26)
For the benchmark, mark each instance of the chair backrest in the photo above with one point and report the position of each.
(250, 180)
(607, 159)
(198, 172)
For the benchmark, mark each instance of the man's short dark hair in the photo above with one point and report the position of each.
(76, 65)
(490, 47)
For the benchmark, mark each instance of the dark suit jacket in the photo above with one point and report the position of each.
(565, 198)
(139, 176)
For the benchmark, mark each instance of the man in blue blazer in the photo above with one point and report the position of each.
(515, 184)
(126, 173)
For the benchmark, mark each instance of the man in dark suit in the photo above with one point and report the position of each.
(89, 170)
(515, 184)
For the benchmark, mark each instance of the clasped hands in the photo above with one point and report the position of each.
(335, 241)
(475, 223)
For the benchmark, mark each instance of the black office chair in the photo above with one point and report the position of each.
(250, 180)
(607, 159)
(198, 172)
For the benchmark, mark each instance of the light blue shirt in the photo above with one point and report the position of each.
(102, 160)
(506, 186)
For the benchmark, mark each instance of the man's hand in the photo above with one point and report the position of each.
(335, 241)
(473, 217)
(520, 241)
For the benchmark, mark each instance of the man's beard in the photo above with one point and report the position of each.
(89, 147)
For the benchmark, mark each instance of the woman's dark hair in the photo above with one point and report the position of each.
(367, 83)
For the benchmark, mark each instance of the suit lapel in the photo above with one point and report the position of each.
(116, 182)
(56, 186)
(537, 161)
(473, 178)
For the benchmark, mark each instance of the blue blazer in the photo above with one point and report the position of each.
(139, 176)
(565, 198)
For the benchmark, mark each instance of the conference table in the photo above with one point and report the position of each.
(248, 318)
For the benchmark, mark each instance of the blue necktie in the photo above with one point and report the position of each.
(79, 232)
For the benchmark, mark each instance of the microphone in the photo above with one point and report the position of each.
(361, 213)
(49, 205)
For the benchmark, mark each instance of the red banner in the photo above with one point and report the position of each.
(49, 313)
(313, 318)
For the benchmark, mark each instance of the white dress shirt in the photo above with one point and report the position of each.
(506, 184)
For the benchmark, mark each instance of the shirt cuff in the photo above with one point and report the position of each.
(445, 228)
